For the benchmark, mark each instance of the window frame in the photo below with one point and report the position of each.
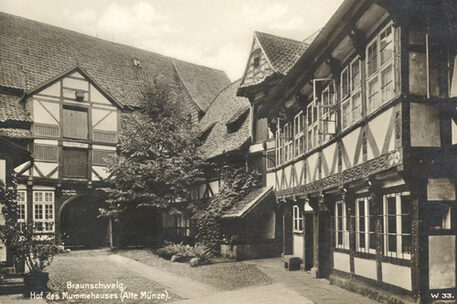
(344, 231)
(313, 128)
(328, 111)
(376, 76)
(398, 253)
(348, 102)
(368, 217)
(297, 219)
(44, 204)
(299, 134)
(23, 204)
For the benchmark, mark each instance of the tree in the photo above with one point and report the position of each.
(158, 158)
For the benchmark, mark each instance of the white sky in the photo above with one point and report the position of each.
(214, 33)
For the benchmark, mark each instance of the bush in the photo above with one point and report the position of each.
(184, 253)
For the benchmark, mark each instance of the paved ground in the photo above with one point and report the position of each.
(188, 285)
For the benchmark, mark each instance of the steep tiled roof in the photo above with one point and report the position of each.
(15, 133)
(243, 206)
(32, 53)
(282, 52)
(220, 112)
(11, 110)
(202, 83)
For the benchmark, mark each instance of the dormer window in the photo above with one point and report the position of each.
(237, 120)
(256, 62)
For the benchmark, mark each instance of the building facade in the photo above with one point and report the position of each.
(76, 92)
(365, 128)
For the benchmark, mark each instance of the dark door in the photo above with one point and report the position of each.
(324, 245)
(309, 241)
(74, 163)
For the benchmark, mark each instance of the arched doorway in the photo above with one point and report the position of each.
(81, 225)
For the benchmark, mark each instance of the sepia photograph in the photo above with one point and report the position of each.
(209, 151)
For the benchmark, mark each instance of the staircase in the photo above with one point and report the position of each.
(10, 282)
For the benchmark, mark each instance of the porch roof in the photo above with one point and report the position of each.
(244, 206)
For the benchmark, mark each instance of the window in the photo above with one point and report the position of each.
(312, 127)
(288, 142)
(397, 225)
(297, 219)
(351, 106)
(365, 226)
(271, 161)
(43, 211)
(75, 123)
(46, 152)
(74, 163)
(100, 157)
(380, 70)
(328, 112)
(256, 62)
(21, 198)
(299, 134)
(341, 231)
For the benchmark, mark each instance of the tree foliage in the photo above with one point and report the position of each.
(236, 184)
(158, 158)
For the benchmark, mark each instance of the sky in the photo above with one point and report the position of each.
(213, 33)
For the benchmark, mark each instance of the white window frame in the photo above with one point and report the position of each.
(47, 200)
(349, 101)
(376, 77)
(328, 112)
(368, 216)
(297, 220)
(22, 203)
(398, 226)
(344, 231)
(313, 128)
(299, 134)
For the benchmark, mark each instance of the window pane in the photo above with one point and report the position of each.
(391, 205)
(356, 107)
(355, 76)
(392, 245)
(387, 79)
(340, 238)
(387, 47)
(372, 241)
(362, 240)
(406, 216)
(373, 94)
(345, 83)
(406, 243)
(391, 224)
(372, 58)
(346, 114)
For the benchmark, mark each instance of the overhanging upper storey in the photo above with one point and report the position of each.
(418, 31)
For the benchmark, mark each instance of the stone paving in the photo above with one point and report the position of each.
(286, 287)
(319, 291)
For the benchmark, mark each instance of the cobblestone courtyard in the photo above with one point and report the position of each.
(257, 281)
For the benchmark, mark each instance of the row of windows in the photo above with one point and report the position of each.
(44, 152)
(396, 223)
(42, 212)
(318, 123)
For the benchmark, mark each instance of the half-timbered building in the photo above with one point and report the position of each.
(365, 136)
(76, 91)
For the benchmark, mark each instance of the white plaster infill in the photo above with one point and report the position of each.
(179, 285)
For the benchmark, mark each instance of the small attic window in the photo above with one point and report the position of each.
(136, 62)
(237, 120)
(256, 62)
